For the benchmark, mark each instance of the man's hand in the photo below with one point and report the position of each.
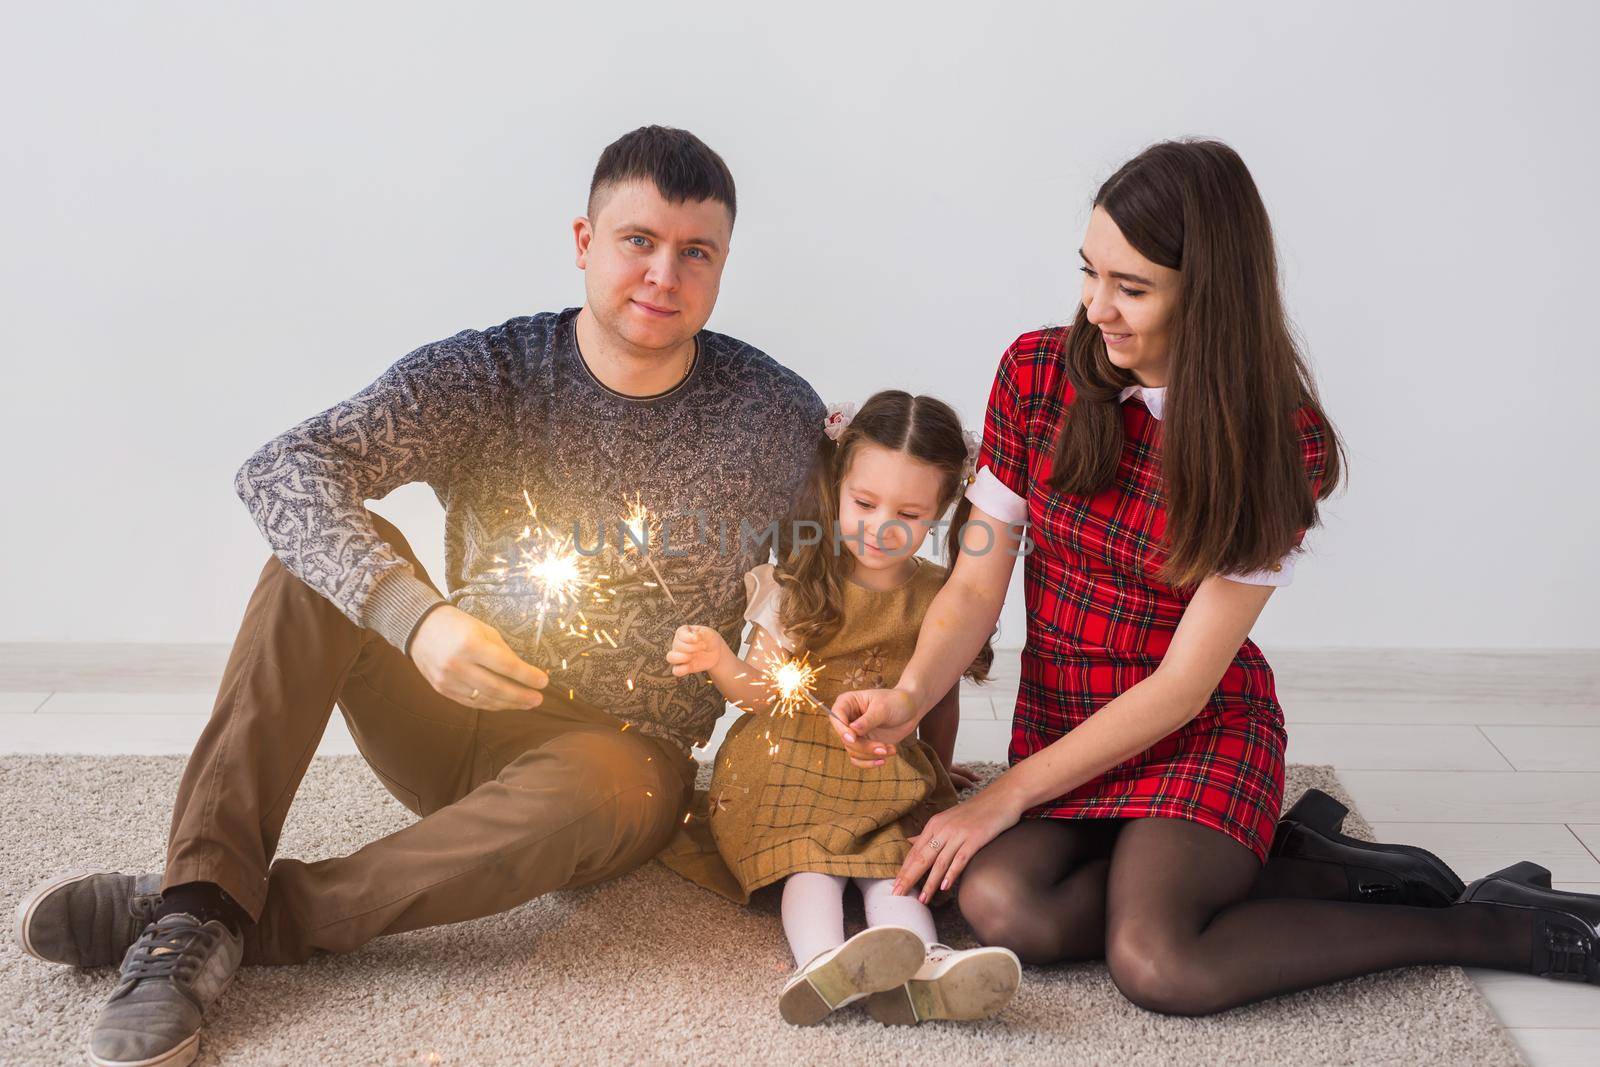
(870, 721)
(470, 663)
(695, 649)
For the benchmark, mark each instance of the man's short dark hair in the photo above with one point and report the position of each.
(681, 166)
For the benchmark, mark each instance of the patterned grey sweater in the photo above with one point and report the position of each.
(484, 415)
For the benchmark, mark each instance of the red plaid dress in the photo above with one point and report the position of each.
(1099, 620)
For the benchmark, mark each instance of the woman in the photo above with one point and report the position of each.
(1168, 452)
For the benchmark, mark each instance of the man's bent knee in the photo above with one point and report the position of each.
(620, 796)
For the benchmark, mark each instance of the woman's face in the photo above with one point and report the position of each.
(887, 503)
(1129, 299)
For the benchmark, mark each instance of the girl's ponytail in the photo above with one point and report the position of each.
(812, 580)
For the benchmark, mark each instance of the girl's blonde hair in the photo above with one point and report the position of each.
(812, 576)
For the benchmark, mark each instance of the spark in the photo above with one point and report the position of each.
(792, 683)
(641, 536)
(556, 571)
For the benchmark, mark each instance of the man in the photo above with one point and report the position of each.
(535, 726)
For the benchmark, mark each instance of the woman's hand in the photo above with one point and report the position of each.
(695, 649)
(950, 840)
(870, 721)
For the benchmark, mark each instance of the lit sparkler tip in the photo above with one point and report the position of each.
(792, 683)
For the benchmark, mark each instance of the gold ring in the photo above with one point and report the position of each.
(936, 844)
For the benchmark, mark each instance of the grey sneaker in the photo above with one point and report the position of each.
(171, 975)
(86, 920)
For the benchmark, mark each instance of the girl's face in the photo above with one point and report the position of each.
(1129, 299)
(887, 503)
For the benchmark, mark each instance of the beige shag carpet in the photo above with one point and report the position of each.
(646, 969)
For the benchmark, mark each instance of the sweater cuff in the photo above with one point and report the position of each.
(396, 604)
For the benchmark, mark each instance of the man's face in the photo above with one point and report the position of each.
(651, 269)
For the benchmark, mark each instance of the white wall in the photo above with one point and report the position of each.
(221, 218)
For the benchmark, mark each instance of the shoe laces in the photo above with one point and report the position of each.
(166, 950)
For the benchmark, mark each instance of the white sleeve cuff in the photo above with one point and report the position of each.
(1282, 573)
(764, 603)
(997, 498)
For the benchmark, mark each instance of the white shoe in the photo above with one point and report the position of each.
(973, 984)
(878, 958)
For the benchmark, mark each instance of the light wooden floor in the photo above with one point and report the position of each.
(1484, 757)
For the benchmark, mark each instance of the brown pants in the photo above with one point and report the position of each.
(513, 804)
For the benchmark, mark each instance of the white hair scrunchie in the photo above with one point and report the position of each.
(969, 472)
(838, 417)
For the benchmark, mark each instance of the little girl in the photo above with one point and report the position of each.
(785, 802)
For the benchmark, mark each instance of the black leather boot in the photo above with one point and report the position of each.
(1376, 873)
(1566, 926)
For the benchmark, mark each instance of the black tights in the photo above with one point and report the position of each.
(1189, 922)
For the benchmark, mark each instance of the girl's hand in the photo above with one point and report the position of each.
(962, 776)
(695, 649)
(950, 840)
(870, 721)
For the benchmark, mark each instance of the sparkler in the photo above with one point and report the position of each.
(558, 573)
(793, 683)
(642, 536)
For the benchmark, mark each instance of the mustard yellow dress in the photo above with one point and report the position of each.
(784, 796)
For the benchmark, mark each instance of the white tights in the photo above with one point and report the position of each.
(813, 911)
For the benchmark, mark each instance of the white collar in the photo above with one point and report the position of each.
(1154, 397)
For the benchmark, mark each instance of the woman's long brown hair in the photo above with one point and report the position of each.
(1234, 472)
(813, 576)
